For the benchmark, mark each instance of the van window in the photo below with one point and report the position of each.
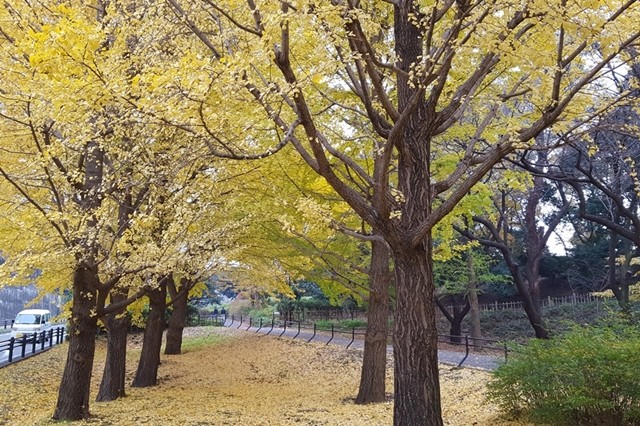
(28, 319)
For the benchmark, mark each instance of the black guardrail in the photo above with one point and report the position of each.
(202, 320)
(6, 323)
(331, 331)
(15, 349)
(476, 343)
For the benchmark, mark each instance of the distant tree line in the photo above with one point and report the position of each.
(15, 299)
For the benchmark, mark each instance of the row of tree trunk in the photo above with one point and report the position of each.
(73, 397)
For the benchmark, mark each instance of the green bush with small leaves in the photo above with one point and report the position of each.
(590, 377)
(340, 324)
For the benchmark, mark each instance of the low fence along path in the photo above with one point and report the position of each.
(354, 338)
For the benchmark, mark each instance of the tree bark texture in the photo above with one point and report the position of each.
(112, 385)
(147, 372)
(372, 378)
(416, 379)
(415, 346)
(75, 386)
(178, 318)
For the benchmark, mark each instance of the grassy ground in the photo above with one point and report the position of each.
(228, 377)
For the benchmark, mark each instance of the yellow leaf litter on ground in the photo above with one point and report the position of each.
(244, 379)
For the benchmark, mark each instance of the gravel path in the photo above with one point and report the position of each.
(478, 361)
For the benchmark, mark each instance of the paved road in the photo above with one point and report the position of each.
(4, 355)
(17, 352)
(481, 362)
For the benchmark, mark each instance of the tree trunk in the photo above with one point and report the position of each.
(416, 380)
(530, 308)
(617, 279)
(455, 330)
(415, 345)
(75, 386)
(372, 378)
(147, 372)
(472, 297)
(113, 377)
(178, 318)
(532, 269)
(455, 318)
(534, 246)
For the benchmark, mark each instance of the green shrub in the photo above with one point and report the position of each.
(353, 323)
(342, 324)
(589, 376)
(244, 308)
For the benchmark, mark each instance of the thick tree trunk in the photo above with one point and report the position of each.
(416, 381)
(178, 318)
(147, 372)
(113, 377)
(75, 386)
(372, 378)
(415, 346)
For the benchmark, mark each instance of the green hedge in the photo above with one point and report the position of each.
(341, 324)
(589, 376)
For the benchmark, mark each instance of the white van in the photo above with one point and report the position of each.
(31, 321)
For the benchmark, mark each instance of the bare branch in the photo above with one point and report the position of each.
(180, 13)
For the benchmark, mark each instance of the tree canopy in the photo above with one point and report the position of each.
(119, 114)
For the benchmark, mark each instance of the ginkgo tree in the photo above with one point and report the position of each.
(466, 81)
(91, 175)
(304, 227)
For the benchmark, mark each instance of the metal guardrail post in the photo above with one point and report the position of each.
(466, 350)
(331, 336)
(241, 322)
(272, 324)
(250, 322)
(353, 336)
(23, 341)
(12, 343)
(314, 333)
(298, 328)
(259, 328)
(285, 328)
